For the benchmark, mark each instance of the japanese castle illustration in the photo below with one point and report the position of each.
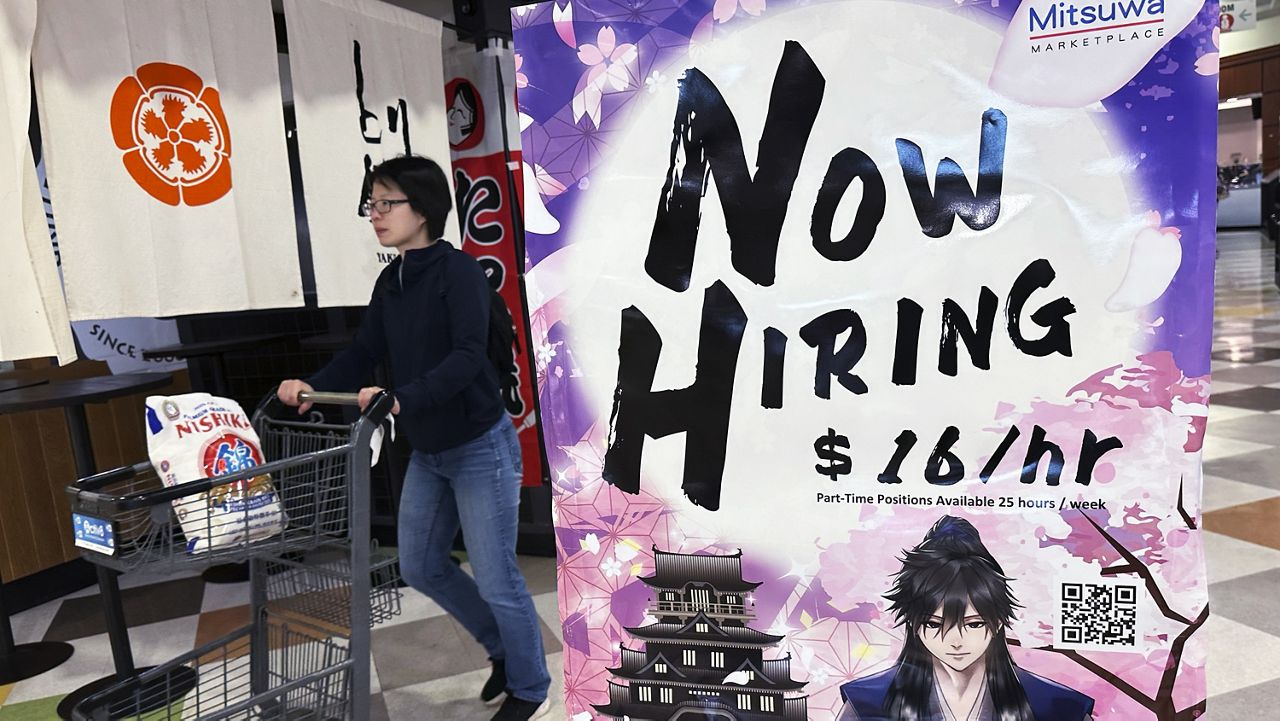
(701, 661)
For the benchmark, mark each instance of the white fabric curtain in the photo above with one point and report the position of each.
(33, 314)
(165, 151)
(368, 85)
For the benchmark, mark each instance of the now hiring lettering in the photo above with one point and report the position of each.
(706, 142)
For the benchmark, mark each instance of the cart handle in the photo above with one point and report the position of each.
(334, 399)
(375, 413)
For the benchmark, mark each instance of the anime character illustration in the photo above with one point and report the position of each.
(954, 604)
(463, 114)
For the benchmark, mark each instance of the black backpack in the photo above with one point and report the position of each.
(502, 353)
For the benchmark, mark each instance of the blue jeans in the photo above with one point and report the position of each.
(477, 485)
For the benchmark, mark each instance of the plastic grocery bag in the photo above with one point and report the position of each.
(195, 436)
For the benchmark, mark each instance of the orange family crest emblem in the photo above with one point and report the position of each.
(174, 135)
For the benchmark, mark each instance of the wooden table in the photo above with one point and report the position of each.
(17, 384)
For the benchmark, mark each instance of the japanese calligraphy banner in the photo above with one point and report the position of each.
(488, 204)
(368, 85)
(165, 151)
(881, 340)
(34, 322)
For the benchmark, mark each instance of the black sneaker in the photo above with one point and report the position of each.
(515, 709)
(493, 689)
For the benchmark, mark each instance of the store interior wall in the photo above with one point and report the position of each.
(1239, 136)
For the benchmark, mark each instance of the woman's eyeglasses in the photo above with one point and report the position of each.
(382, 206)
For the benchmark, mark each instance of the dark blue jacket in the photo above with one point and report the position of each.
(429, 318)
(1050, 701)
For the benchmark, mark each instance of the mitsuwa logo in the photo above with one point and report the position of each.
(1064, 25)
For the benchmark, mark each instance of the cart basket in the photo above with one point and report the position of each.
(274, 670)
(310, 469)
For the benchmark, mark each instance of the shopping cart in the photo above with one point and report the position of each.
(315, 589)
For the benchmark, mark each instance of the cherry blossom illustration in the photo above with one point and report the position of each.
(1207, 64)
(538, 184)
(526, 16)
(522, 80)
(609, 68)
(1154, 259)
(724, 10)
(655, 81)
(563, 19)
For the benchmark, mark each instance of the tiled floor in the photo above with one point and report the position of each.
(424, 665)
(1242, 484)
(426, 668)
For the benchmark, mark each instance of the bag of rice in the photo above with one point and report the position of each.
(195, 436)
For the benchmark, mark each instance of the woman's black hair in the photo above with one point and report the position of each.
(422, 182)
(949, 570)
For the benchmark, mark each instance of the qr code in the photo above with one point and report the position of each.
(1098, 615)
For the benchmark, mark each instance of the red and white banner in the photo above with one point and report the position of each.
(487, 210)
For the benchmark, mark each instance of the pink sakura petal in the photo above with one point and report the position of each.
(724, 9)
(595, 76)
(563, 19)
(753, 7)
(703, 31)
(586, 96)
(522, 80)
(547, 184)
(618, 76)
(590, 55)
(1217, 35)
(519, 60)
(625, 53)
(1151, 218)
(606, 40)
(591, 102)
(579, 102)
(1207, 64)
(1170, 230)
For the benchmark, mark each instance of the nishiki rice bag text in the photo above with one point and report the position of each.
(195, 436)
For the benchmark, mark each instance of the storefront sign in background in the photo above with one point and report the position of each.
(818, 281)
(1239, 15)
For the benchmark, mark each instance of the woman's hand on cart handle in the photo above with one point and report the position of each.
(367, 395)
(288, 394)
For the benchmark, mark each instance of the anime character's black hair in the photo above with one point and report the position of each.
(948, 570)
(423, 183)
(467, 94)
